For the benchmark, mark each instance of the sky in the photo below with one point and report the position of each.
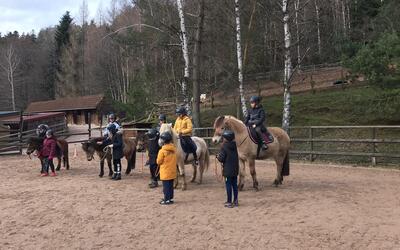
(27, 15)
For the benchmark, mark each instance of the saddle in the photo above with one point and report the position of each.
(188, 146)
(268, 138)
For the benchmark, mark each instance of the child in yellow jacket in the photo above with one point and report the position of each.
(166, 159)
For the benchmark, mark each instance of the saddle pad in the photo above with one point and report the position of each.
(253, 135)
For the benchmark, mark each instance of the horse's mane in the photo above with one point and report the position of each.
(168, 127)
(221, 119)
(35, 139)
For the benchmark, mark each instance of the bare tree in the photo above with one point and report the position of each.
(288, 68)
(239, 58)
(10, 66)
(185, 53)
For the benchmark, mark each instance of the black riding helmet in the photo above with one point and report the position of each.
(163, 118)
(255, 99)
(166, 137)
(181, 111)
(112, 128)
(228, 135)
(49, 132)
(152, 133)
(111, 117)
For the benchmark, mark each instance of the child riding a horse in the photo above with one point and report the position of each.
(184, 127)
(255, 119)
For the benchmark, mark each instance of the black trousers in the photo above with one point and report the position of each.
(168, 189)
(117, 166)
(46, 164)
(153, 172)
(260, 130)
(231, 186)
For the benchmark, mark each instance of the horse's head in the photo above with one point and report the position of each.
(34, 143)
(219, 128)
(89, 148)
(141, 142)
(165, 127)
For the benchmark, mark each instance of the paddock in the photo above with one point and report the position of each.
(318, 207)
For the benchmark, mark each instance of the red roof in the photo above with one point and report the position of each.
(30, 118)
(66, 104)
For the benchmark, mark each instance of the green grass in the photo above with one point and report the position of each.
(363, 105)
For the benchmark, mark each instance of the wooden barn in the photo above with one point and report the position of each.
(78, 110)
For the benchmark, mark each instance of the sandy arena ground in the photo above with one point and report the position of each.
(318, 207)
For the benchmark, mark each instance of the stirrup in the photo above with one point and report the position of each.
(264, 146)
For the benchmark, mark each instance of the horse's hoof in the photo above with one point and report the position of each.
(101, 175)
(241, 187)
(183, 188)
(192, 180)
(127, 172)
(255, 186)
(58, 169)
(275, 183)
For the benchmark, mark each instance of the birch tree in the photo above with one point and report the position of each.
(318, 26)
(185, 53)
(239, 59)
(9, 64)
(288, 68)
(196, 65)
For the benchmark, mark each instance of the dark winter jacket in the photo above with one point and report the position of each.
(255, 116)
(49, 148)
(153, 149)
(229, 158)
(118, 145)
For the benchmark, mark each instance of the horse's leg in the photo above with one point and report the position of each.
(101, 168)
(129, 167)
(182, 175)
(176, 181)
(202, 166)
(241, 174)
(279, 164)
(194, 173)
(109, 163)
(59, 163)
(252, 167)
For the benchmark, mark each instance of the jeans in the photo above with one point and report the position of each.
(168, 189)
(231, 185)
(48, 163)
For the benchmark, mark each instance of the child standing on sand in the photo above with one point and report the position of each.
(229, 158)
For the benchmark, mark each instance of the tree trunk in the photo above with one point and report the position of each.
(318, 26)
(296, 7)
(10, 67)
(288, 69)
(239, 59)
(185, 52)
(196, 66)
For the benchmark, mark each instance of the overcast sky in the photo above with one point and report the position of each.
(28, 15)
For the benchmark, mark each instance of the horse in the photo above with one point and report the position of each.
(36, 143)
(202, 153)
(247, 149)
(91, 147)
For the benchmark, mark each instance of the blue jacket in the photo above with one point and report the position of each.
(118, 146)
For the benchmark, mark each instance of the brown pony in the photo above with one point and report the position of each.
(36, 143)
(247, 149)
(90, 147)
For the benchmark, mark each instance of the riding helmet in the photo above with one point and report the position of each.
(111, 117)
(228, 135)
(49, 132)
(112, 128)
(152, 133)
(181, 110)
(255, 99)
(162, 118)
(166, 137)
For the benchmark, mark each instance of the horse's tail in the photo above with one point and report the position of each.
(133, 159)
(286, 166)
(207, 159)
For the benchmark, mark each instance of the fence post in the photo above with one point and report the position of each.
(90, 124)
(373, 158)
(21, 129)
(311, 136)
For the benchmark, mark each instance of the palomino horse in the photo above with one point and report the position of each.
(247, 149)
(90, 147)
(202, 153)
(36, 143)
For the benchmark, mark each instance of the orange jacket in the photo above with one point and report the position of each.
(166, 159)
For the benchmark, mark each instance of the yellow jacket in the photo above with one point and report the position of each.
(166, 159)
(183, 125)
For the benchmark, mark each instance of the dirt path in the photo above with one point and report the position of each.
(318, 207)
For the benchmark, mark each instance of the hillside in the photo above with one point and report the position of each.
(357, 105)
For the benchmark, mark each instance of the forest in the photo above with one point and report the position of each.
(144, 51)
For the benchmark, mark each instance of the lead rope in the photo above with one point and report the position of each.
(217, 176)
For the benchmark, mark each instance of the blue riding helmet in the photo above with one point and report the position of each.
(166, 137)
(228, 135)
